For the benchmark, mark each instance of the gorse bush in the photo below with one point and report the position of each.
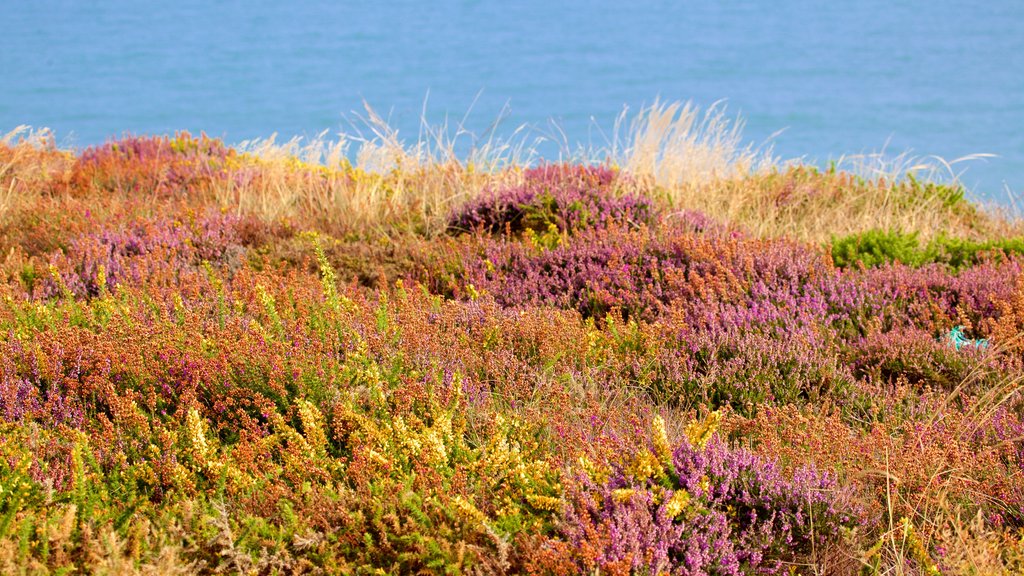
(223, 362)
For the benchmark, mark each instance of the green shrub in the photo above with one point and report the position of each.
(878, 247)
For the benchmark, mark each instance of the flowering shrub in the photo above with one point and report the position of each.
(700, 508)
(639, 272)
(915, 356)
(555, 199)
(152, 165)
(141, 252)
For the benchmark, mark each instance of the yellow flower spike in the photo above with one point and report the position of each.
(585, 464)
(101, 280)
(456, 389)
(374, 456)
(596, 474)
(312, 425)
(468, 511)
(623, 495)
(662, 448)
(179, 307)
(917, 549)
(701, 431)
(705, 484)
(437, 450)
(443, 423)
(546, 503)
(195, 428)
(645, 466)
(677, 504)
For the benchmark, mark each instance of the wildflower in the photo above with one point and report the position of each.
(645, 466)
(623, 495)
(917, 549)
(312, 425)
(195, 430)
(677, 503)
(705, 484)
(434, 440)
(468, 511)
(662, 448)
(700, 432)
(547, 503)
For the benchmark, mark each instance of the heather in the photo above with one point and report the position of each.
(277, 360)
(555, 199)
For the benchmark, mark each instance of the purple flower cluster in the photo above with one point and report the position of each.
(144, 251)
(748, 320)
(33, 396)
(914, 355)
(568, 197)
(160, 165)
(720, 511)
(642, 272)
(748, 364)
(936, 299)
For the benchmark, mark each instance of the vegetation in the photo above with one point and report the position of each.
(876, 247)
(275, 360)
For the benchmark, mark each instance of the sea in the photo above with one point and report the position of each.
(815, 81)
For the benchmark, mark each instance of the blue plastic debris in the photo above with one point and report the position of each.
(956, 336)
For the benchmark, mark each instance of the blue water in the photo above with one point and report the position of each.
(935, 77)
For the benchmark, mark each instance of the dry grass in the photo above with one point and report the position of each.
(696, 160)
(685, 150)
(101, 551)
(699, 161)
(963, 547)
(28, 160)
(370, 181)
(814, 206)
(346, 198)
(973, 548)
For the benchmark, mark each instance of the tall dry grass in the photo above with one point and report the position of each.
(372, 179)
(369, 180)
(700, 161)
(29, 159)
(696, 160)
(685, 150)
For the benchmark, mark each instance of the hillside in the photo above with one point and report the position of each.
(684, 359)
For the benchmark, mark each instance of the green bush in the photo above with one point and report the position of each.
(878, 247)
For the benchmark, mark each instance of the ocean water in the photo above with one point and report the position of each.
(816, 79)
